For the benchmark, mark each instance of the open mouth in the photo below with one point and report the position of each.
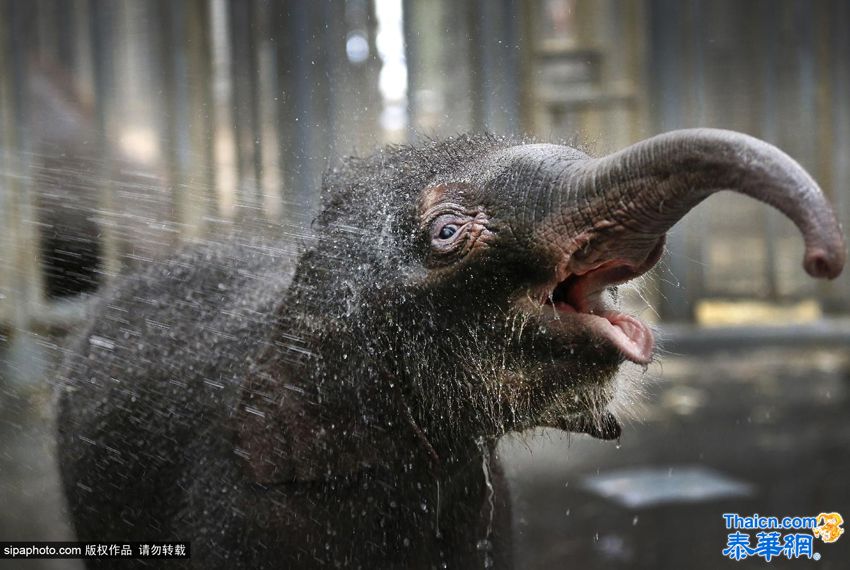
(578, 298)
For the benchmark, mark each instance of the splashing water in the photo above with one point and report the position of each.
(486, 543)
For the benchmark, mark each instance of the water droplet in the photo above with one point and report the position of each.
(484, 545)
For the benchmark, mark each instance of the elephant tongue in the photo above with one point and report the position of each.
(627, 333)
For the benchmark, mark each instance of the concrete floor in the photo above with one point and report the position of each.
(767, 429)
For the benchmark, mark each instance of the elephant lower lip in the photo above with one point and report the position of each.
(632, 337)
(629, 334)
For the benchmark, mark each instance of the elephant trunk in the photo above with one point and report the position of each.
(620, 206)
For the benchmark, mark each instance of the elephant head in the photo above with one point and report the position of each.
(474, 279)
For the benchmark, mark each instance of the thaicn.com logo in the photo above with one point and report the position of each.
(774, 537)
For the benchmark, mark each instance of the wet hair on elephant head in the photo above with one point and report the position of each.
(342, 410)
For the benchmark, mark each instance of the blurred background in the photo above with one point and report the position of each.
(128, 127)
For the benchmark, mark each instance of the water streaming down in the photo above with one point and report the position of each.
(485, 543)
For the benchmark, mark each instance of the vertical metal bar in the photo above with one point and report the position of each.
(840, 117)
(81, 69)
(411, 55)
(100, 25)
(495, 65)
(284, 58)
(199, 46)
(305, 114)
(823, 43)
(823, 122)
(696, 229)
(805, 108)
(8, 207)
(769, 131)
(6, 114)
(328, 59)
(442, 66)
(267, 77)
(179, 124)
(301, 92)
(526, 96)
(64, 37)
(184, 61)
(479, 24)
(239, 76)
(170, 22)
(465, 24)
(666, 66)
(353, 119)
(225, 149)
(638, 31)
(245, 103)
(22, 290)
(322, 115)
(803, 14)
(256, 130)
(510, 66)
(21, 222)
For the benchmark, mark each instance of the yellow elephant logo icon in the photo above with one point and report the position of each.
(829, 527)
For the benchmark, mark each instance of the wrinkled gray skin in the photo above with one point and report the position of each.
(339, 414)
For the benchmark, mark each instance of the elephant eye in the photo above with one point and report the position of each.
(451, 236)
(447, 231)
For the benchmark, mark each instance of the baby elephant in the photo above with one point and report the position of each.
(341, 410)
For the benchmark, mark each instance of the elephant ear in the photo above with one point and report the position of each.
(285, 436)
